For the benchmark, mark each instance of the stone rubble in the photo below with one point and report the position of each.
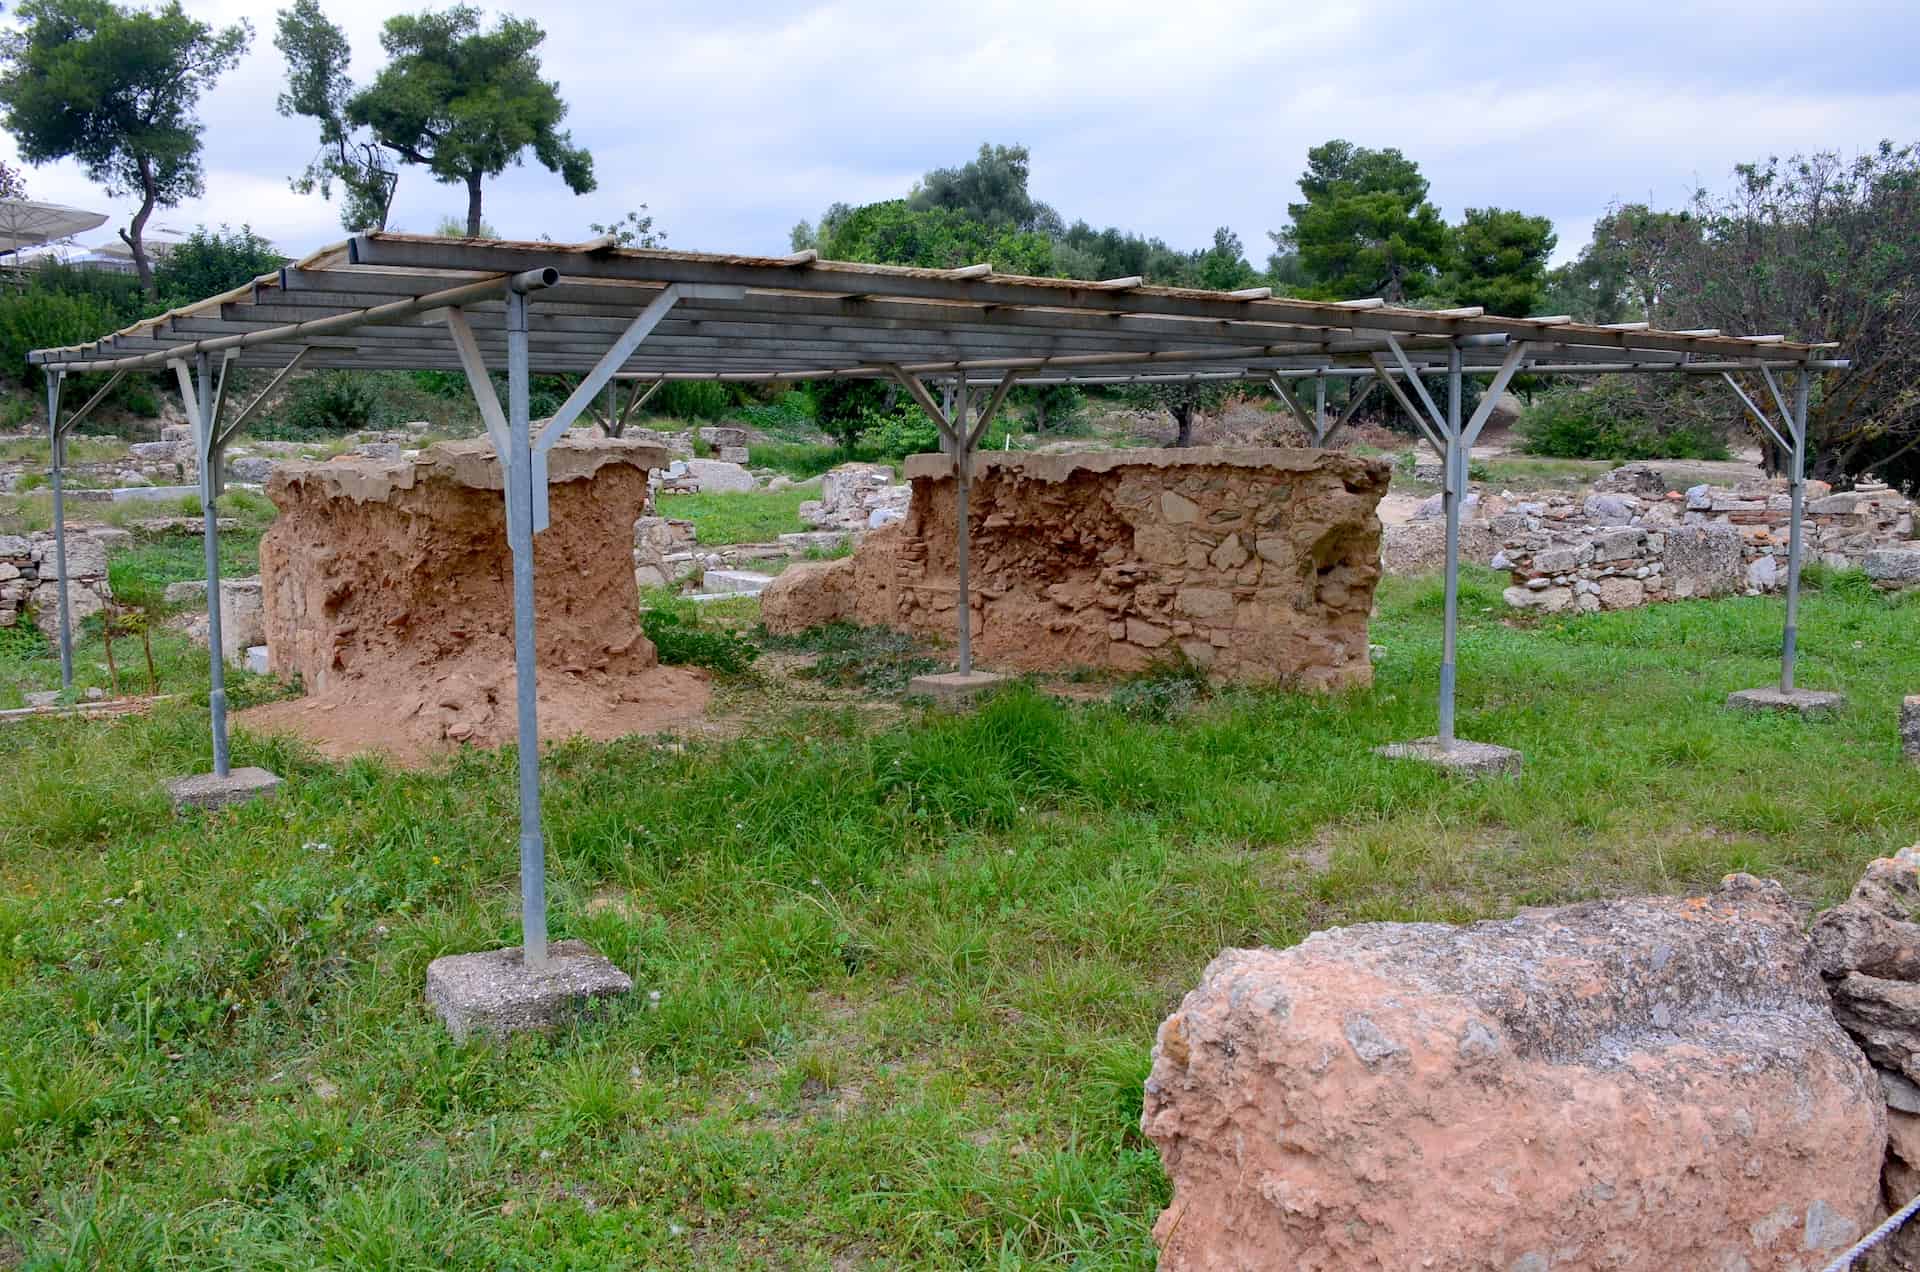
(857, 497)
(1869, 952)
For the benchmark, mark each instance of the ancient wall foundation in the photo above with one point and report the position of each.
(387, 587)
(1256, 564)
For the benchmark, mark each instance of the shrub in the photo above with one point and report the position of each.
(692, 400)
(331, 402)
(842, 408)
(906, 431)
(1615, 420)
(679, 637)
(209, 262)
(37, 319)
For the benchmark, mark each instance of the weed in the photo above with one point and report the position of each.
(680, 637)
(877, 659)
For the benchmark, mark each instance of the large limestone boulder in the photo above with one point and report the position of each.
(1650, 1084)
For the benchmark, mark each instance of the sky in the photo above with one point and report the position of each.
(732, 121)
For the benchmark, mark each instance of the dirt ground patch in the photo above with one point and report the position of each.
(407, 728)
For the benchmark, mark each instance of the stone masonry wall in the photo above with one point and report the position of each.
(27, 575)
(1616, 550)
(1257, 564)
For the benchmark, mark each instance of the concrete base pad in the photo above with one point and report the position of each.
(492, 993)
(1807, 703)
(1471, 759)
(209, 790)
(951, 686)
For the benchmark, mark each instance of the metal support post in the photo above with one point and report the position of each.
(518, 464)
(1320, 429)
(57, 456)
(963, 489)
(1455, 496)
(198, 391)
(1797, 494)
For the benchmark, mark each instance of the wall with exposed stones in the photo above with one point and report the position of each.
(27, 572)
(1615, 550)
(1255, 563)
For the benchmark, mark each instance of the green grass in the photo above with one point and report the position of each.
(908, 965)
(153, 564)
(757, 516)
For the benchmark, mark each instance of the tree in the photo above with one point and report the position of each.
(12, 184)
(991, 188)
(1223, 267)
(895, 233)
(116, 90)
(319, 88)
(1817, 247)
(209, 262)
(1365, 227)
(631, 230)
(1183, 400)
(464, 104)
(1628, 271)
(1500, 260)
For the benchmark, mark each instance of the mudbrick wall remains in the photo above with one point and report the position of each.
(1256, 564)
(388, 589)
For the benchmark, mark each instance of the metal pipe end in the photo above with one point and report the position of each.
(534, 279)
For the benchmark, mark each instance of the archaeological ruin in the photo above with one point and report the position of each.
(386, 593)
(1253, 564)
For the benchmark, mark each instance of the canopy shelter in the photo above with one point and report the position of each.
(596, 311)
(26, 223)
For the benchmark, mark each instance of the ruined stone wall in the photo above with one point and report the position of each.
(1257, 564)
(389, 582)
(1618, 550)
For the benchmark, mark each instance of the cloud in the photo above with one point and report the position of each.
(733, 122)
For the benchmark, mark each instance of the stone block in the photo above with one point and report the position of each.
(153, 494)
(1894, 567)
(259, 659)
(1809, 704)
(1910, 730)
(1468, 759)
(493, 993)
(742, 582)
(210, 790)
(716, 475)
(951, 686)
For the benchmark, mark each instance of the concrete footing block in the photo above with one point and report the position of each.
(493, 994)
(1469, 759)
(1910, 727)
(210, 790)
(952, 686)
(1808, 704)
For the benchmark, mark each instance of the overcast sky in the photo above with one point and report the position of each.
(733, 121)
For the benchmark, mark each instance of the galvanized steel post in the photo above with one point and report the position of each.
(518, 476)
(963, 483)
(1797, 494)
(57, 458)
(204, 432)
(1455, 476)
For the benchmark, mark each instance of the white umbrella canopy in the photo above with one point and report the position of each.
(26, 223)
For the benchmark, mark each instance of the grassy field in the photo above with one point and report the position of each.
(897, 972)
(747, 516)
